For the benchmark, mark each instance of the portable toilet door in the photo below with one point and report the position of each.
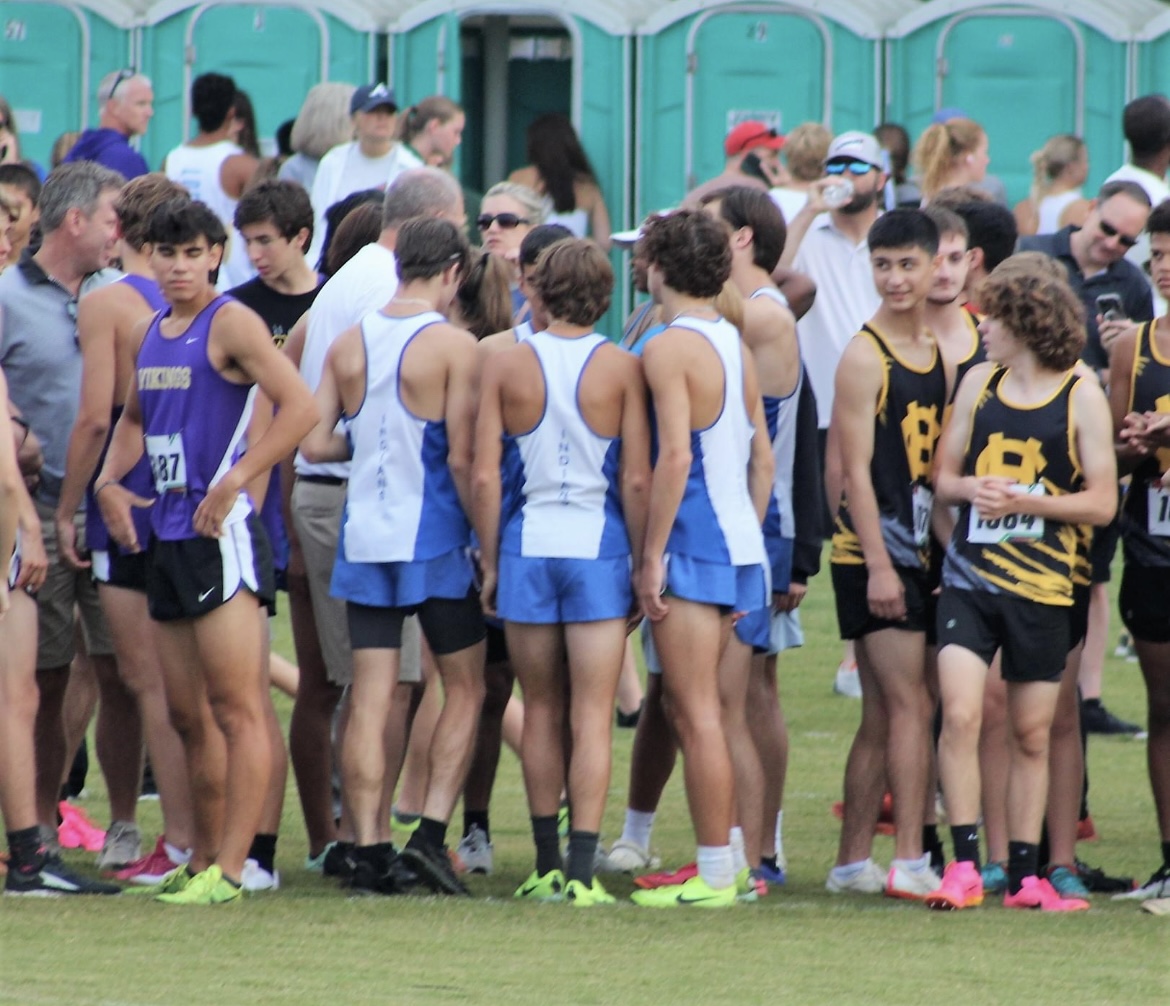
(1023, 73)
(1152, 57)
(52, 56)
(705, 67)
(275, 52)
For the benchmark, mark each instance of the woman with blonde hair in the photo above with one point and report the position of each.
(1059, 168)
(951, 153)
(322, 124)
(508, 212)
(805, 150)
(428, 135)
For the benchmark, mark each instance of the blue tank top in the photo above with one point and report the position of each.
(193, 421)
(138, 480)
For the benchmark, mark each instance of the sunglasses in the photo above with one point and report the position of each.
(507, 221)
(123, 75)
(853, 167)
(1112, 232)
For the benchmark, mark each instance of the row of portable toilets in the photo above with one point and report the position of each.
(652, 85)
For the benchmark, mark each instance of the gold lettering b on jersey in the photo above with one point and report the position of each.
(920, 430)
(1020, 460)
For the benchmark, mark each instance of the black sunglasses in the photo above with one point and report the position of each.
(123, 75)
(507, 221)
(1112, 232)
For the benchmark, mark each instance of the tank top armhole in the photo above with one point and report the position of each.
(994, 374)
(883, 356)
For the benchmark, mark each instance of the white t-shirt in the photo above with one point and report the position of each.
(1050, 209)
(402, 158)
(365, 283)
(343, 171)
(1158, 191)
(790, 201)
(846, 299)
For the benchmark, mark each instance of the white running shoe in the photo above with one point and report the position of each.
(121, 847)
(629, 857)
(871, 880)
(847, 682)
(475, 851)
(1158, 886)
(256, 878)
(912, 880)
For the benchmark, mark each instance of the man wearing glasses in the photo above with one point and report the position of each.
(1094, 256)
(127, 103)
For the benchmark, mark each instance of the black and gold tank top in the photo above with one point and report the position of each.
(907, 423)
(1035, 446)
(1145, 514)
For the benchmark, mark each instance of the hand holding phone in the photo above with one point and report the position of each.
(1110, 308)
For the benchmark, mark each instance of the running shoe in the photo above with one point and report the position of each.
(338, 861)
(1039, 893)
(210, 887)
(122, 846)
(547, 887)
(995, 878)
(171, 883)
(871, 879)
(316, 864)
(475, 851)
(629, 857)
(961, 887)
(749, 886)
(256, 878)
(50, 878)
(433, 867)
(669, 878)
(580, 896)
(1097, 719)
(77, 831)
(911, 880)
(1158, 886)
(847, 681)
(1099, 882)
(694, 893)
(149, 870)
(1066, 882)
(774, 877)
(386, 875)
(1157, 906)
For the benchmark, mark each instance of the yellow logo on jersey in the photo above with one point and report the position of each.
(920, 431)
(1020, 460)
(1162, 404)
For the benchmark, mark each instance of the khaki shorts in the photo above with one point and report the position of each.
(65, 592)
(316, 512)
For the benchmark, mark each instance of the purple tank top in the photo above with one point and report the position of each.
(138, 480)
(193, 422)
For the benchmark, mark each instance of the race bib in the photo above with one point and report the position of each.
(1010, 527)
(168, 463)
(1158, 511)
(921, 499)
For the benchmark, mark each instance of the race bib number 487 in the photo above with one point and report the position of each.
(167, 462)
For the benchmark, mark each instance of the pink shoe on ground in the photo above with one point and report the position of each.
(76, 831)
(1039, 893)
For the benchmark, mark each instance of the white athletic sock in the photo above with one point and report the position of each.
(176, 855)
(913, 865)
(716, 866)
(850, 870)
(637, 827)
(780, 860)
(738, 855)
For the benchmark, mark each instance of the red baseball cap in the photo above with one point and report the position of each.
(749, 135)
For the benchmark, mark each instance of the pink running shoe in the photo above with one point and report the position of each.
(77, 831)
(667, 878)
(1039, 893)
(961, 887)
(148, 870)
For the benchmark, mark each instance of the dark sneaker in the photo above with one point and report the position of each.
(433, 867)
(1096, 719)
(386, 874)
(338, 861)
(1099, 882)
(53, 878)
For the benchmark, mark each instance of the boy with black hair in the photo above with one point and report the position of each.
(887, 413)
(20, 191)
(208, 562)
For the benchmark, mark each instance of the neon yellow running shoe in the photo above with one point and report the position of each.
(748, 886)
(550, 887)
(402, 825)
(171, 883)
(695, 893)
(576, 893)
(206, 888)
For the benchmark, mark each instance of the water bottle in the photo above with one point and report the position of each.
(838, 194)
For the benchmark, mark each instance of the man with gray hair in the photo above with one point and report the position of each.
(363, 284)
(41, 358)
(126, 100)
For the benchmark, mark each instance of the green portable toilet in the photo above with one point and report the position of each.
(1152, 54)
(509, 61)
(705, 66)
(274, 51)
(52, 56)
(1023, 71)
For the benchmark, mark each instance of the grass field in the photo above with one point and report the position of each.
(309, 944)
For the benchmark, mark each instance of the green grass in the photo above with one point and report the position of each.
(309, 944)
